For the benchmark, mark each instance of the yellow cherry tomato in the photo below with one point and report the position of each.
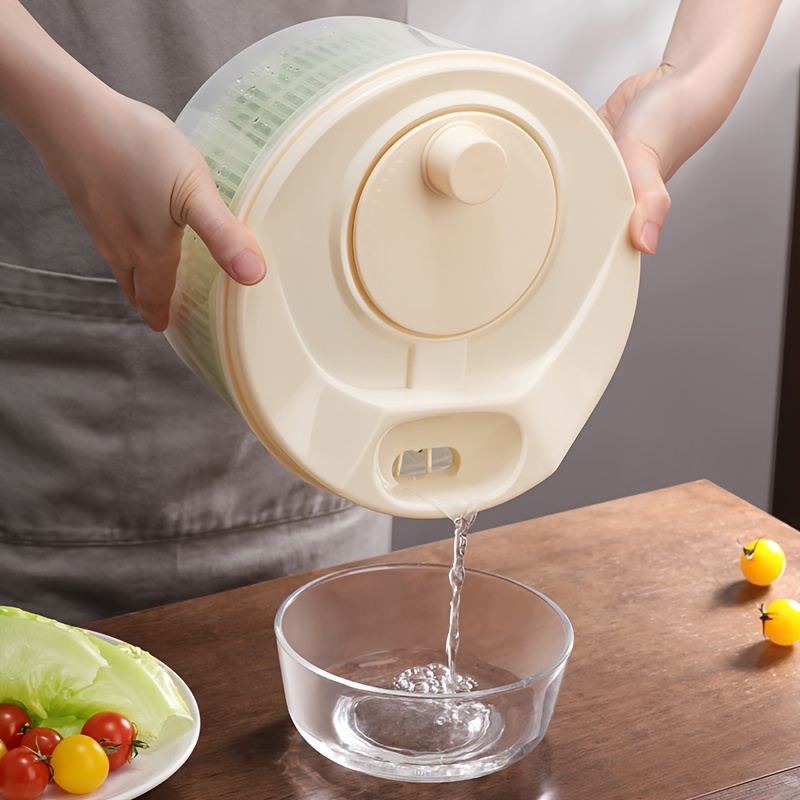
(3, 749)
(80, 765)
(763, 561)
(780, 621)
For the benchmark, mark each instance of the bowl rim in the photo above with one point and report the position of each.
(553, 668)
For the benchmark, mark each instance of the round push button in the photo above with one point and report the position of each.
(462, 162)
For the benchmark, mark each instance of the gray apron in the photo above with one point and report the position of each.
(124, 481)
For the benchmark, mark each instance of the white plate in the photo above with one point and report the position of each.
(151, 767)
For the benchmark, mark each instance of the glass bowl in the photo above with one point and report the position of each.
(348, 640)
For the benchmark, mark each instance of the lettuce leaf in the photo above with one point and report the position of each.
(62, 675)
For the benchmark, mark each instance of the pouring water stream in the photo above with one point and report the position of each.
(438, 678)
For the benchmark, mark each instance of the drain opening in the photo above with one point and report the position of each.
(428, 461)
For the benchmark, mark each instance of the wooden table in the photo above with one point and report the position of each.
(671, 692)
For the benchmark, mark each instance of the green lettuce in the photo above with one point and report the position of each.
(62, 675)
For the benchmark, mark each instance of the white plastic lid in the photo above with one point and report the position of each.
(486, 185)
(450, 284)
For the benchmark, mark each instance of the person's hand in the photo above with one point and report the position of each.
(661, 117)
(133, 178)
(136, 180)
(642, 117)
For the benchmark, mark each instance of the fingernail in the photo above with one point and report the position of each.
(247, 267)
(650, 232)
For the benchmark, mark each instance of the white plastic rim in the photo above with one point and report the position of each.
(338, 368)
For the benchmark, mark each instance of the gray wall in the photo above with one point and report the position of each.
(695, 395)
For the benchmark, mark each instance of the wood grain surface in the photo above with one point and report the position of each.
(671, 692)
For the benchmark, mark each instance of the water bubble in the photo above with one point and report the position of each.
(432, 679)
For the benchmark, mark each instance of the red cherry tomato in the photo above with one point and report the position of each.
(23, 775)
(14, 721)
(41, 740)
(117, 736)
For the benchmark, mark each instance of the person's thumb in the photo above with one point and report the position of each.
(230, 243)
(650, 195)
